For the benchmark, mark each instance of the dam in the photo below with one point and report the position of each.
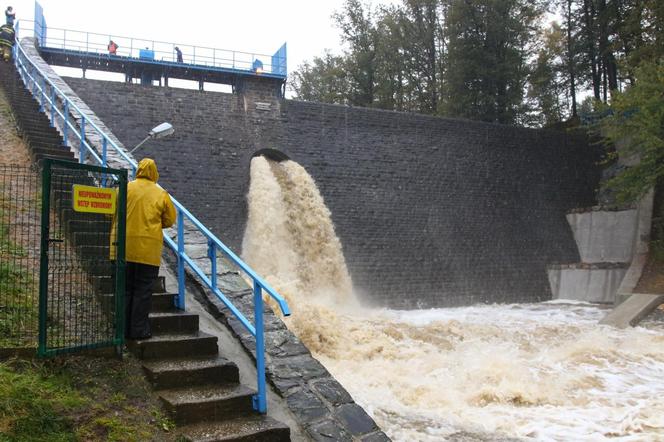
(414, 252)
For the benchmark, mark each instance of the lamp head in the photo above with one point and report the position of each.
(163, 130)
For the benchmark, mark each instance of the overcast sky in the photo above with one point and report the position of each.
(241, 25)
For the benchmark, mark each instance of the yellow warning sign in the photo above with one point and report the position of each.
(93, 199)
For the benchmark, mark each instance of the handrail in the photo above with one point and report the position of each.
(36, 81)
(83, 41)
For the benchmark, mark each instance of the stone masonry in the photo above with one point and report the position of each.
(430, 211)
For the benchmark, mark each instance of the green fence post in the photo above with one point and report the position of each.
(120, 261)
(43, 256)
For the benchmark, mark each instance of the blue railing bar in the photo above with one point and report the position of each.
(212, 255)
(245, 322)
(64, 119)
(53, 107)
(260, 399)
(181, 254)
(104, 151)
(41, 102)
(82, 151)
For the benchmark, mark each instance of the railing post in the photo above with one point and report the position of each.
(82, 150)
(41, 95)
(181, 289)
(52, 122)
(260, 399)
(65, 128)
(212, 254)
(104, 148)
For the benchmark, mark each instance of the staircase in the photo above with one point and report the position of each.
(199, 388)
(33, 125)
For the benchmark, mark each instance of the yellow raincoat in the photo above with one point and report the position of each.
(149, 210)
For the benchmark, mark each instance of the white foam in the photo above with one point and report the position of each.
(534, 371)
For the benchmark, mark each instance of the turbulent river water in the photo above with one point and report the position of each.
(543, 371)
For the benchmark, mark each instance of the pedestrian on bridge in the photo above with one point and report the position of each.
(178, 54)
(112, 47)
(10, 15)
(149, 210)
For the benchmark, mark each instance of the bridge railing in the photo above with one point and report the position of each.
(63, 111)
(91, 42)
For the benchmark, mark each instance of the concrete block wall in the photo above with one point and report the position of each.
(430, 211)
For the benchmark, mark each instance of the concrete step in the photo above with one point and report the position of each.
(207, 402)
(174, 322)
(174, 373)
(97, 266)
(94, 252)
(41, 153)
(254, 428)
(41, 157)
(42, 138)
(199, 344)
(52, 145)
(39, 128)
(163, 302)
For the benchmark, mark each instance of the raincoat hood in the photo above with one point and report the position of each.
(147, 169)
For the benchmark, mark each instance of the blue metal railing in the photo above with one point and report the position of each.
(90, 42)
(61, 108)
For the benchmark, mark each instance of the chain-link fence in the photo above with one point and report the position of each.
(20, 211)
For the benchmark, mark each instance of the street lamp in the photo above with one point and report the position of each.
(161, 131)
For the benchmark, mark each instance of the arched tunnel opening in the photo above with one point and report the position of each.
(271, 154)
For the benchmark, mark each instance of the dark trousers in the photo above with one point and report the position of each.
(140, 279)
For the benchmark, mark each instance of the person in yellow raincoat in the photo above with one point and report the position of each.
(149, 210)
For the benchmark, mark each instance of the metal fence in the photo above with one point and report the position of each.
(81, 287)
(20, 208)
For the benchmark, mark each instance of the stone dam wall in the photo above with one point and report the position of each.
(430, 211)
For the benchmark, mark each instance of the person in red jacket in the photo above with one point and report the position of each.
(112, 47)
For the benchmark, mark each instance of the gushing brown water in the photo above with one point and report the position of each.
(537, 372)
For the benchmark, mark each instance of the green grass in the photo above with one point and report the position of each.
(33, 403)
(78, 398)
(18, 303)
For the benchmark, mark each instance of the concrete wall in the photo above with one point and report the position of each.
(604, 235)
(430, 211)
(587, 282)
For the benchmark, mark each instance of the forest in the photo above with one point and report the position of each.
(523, 62)
(533, 63)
